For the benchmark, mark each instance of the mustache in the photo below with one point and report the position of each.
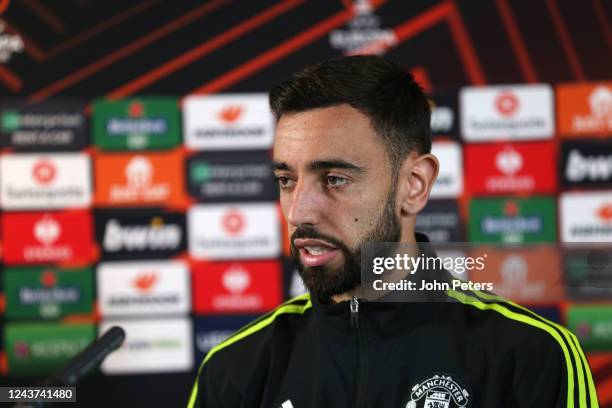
(307, 232)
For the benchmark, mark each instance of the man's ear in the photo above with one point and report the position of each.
(416, 178)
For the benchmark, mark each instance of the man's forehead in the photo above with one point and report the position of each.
(338, 131)
(329, 118)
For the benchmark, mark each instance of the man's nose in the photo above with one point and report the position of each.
(306, 205)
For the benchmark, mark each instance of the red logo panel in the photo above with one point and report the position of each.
(503, 168)
(54, 237)
(236, 287)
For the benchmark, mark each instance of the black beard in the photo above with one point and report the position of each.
(325, 283)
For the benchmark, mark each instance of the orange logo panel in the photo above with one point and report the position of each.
(526, 275)
(139, 179)
(584, 109)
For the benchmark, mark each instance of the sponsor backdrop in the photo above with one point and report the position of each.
(136, 186)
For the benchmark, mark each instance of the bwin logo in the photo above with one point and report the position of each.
(155, 236)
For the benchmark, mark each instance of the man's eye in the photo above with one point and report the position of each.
(284, 181)
(335, 181)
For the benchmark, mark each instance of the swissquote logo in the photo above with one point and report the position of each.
(518, 112)
(236, 121)
(44, 171)
(507, 103)
(438, 391)
(233, 222)
(45, 181)
(226, 231)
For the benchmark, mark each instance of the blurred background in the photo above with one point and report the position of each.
(136, 186)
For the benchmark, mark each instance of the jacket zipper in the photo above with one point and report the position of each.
(354, 304)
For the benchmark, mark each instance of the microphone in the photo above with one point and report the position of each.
(90, 358)
(81, 364)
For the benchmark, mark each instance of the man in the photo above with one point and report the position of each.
(351, 156)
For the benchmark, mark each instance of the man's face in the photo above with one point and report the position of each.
(336, 193)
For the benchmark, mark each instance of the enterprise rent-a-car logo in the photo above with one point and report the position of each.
(228, 122)
(143, 288)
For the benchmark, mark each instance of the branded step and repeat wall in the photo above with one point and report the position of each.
(162, 218)
(152, 205)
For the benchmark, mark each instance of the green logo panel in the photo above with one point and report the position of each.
(40, 349)
(10, 121)
(136, 124)
(513, 220)
(592, 325)
(47, 293)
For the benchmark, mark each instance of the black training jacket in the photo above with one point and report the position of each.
(476, 350)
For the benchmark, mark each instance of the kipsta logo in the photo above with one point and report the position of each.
(507, 103)
(231, 114)
(44, 171)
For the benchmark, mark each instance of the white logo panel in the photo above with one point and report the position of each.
(518, 112)
(230, 121)
(37, 181)
(143, 288)
(151, 346)
(586, 217)
(234, 231)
